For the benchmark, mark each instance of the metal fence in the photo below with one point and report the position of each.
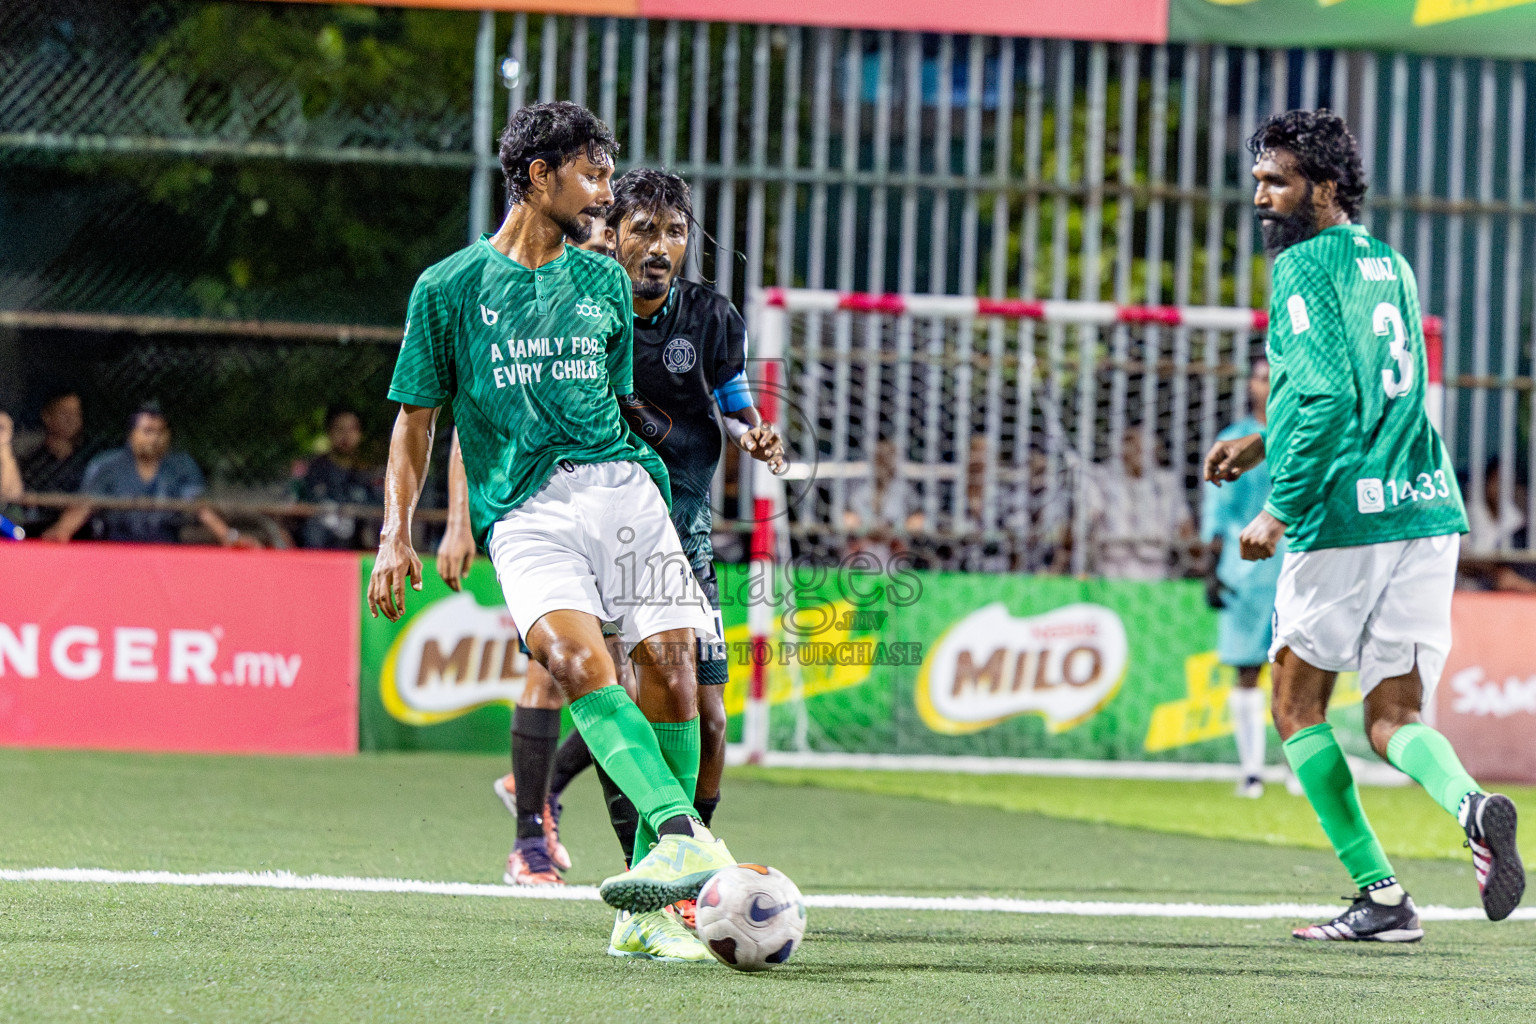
(881, 161)
(956, 433)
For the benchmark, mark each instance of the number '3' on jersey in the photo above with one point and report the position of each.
(1352, 452)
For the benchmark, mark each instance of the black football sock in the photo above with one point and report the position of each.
(678, 825)
(706, 808)
(621, 814)
(571, 760)
(535, 731)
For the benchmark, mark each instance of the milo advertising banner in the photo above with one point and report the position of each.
(447, 674)
(997, 665)
(910, 662)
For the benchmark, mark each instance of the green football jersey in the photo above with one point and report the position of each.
(1352, 453)
(533, 362)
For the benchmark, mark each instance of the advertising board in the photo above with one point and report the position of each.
(143, 647)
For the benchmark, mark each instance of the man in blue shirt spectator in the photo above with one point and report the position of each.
(144, 468)
(1243, 593)
(340, 476)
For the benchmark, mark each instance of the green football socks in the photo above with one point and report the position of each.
(1318, 761)
(679, 743)
(624, 743)
(1426, 757)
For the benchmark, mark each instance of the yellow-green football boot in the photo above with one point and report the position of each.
(676, 869)
(657, 935)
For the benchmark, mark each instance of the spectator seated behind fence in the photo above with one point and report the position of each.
(970, 551)
(1138, 514)
(879, 508)
(145, 467)
(339, 477)
(1494, 525)
(56, 466)
(1044, 520)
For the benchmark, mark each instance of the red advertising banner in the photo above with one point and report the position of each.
(130, 647)
(1486, 704)
(1121, 21)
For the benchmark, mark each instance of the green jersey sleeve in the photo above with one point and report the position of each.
(621, 343)
(1320, 398)
(424, 369)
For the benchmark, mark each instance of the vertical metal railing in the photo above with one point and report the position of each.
(881, 161)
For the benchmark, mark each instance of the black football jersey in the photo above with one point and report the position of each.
(693, 350)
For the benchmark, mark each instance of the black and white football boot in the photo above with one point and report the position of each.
(1368, 921)
(1489, 820)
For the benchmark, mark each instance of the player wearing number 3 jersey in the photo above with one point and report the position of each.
(1366, 498)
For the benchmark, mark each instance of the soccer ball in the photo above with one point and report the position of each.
(751, 917)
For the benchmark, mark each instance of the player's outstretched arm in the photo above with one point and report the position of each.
(456, 552)
(757, 437)
(1228, 460)
(397, 564)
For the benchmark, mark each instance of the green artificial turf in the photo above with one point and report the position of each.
(141, 953)
(1407, 821)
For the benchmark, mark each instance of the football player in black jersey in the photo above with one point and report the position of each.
(689, 362)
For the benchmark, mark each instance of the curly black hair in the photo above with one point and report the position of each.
(644, 188)
(1324, 149)
(555, 133)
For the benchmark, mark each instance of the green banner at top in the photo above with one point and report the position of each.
(1474, 28)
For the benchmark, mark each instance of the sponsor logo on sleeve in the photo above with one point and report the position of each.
(1297, 307)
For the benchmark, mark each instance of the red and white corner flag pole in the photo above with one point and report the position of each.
(767, 505)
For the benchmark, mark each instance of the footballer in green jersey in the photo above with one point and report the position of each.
(1364, 493)
(531, 340)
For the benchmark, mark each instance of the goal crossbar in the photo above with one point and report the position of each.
(1060, 311)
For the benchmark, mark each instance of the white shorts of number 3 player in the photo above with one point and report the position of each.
(597, 539)
(1377, 608)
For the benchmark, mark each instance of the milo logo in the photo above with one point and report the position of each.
(1063, 665)
(452, 658)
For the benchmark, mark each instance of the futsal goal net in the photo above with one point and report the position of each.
(949, 453)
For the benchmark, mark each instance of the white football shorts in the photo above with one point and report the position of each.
(1377, 609)
(598, 539)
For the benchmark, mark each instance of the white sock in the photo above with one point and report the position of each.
(1390, 895)
(1259, 731)
(1247, 709)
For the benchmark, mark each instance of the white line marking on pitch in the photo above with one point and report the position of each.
(586, 893)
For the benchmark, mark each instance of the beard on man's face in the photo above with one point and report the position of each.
(574, 227)
(654, 285)
(1281, 231)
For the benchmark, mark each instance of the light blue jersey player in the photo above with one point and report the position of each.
(1242, 592)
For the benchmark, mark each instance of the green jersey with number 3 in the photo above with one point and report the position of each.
(1352, 453)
